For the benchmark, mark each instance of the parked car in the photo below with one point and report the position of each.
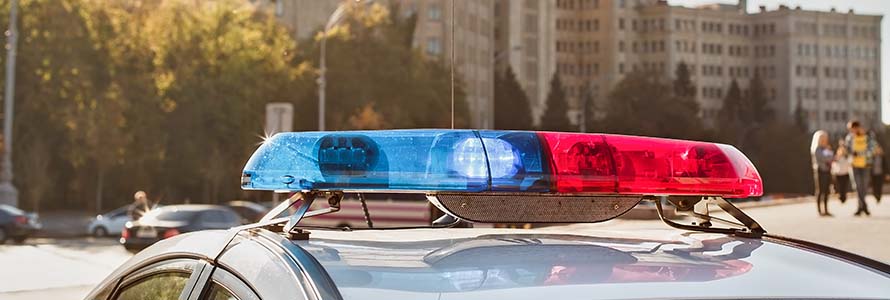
(169, 221)
(110, 223)
(249, 211)
(16, 224)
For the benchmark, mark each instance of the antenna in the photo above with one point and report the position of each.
(452, 63)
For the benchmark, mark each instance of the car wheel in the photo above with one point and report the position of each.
(100, 232)
(3, 236)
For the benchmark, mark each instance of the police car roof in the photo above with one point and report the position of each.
(547, 263)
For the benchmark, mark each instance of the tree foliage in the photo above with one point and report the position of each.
(370, 61)
(645, 103)
(512, 108)
(169, 96)
(555, 116)
(779, 148)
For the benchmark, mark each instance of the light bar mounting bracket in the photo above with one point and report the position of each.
(697, 207)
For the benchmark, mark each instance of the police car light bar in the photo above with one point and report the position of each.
(480, 161)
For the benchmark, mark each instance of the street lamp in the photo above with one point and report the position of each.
(8, 193)
(333, 20)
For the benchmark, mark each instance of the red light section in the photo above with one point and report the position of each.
(21, 220)
(596, 163)
(579, 162)
(654, 166)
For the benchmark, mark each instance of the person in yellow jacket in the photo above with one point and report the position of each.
(861, 152)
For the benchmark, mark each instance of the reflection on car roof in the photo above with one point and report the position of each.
(519, 264)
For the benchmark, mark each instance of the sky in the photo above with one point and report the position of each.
(870, 7)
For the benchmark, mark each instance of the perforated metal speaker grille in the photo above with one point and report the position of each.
(523, 208)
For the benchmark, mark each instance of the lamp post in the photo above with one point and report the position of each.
(333, 20)
(8, 193)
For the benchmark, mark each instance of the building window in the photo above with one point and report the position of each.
(434, 12)
(433, 46)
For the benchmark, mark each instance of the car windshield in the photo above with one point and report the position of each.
(170, 214)
(11, 209)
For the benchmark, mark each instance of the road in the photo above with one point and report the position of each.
(67, 269)
(56, 269)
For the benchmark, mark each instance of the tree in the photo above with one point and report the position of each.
(684, 88)
(757, 102)
(555, 116)
(800, 117)
(644, 103)
(733, 115)
(369, 61)
(120, 100)
(512, 109)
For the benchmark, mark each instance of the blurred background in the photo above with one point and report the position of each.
(171, 97)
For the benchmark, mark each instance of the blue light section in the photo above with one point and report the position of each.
(517, 161)
(409, 160)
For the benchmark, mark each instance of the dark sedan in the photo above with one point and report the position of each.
(173, 220)
(16, 224)
(249, 211)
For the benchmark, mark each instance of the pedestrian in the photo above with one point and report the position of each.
(861, 150)
(878, 171)
(139, 206)
(822, 157)
(840, 168)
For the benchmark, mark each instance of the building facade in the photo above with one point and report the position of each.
(472, 44)
(525, 41)
(825, 63)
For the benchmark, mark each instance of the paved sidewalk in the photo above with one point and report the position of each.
(867, 236)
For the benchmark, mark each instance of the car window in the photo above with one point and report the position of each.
(230, 217)
(219, 216)
(164, 286)
(213, 216)
(122, 211)
(217, 292)
(175, 215)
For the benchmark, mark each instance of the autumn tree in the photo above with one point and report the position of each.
(371, 61)
(645, 103)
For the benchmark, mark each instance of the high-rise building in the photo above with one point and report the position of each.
(828, 62)
(472, 43)
(473, 40)
(525, 41)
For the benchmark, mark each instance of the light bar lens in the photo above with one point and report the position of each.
(504, 161)
(653, 166)
(443, 160)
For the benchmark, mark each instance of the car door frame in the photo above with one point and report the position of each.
(235, 285)
(198, 268)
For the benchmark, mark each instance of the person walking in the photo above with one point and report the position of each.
(861, 150)
(840, 168)
(139, 206)
(878, 171)
(822, 156)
